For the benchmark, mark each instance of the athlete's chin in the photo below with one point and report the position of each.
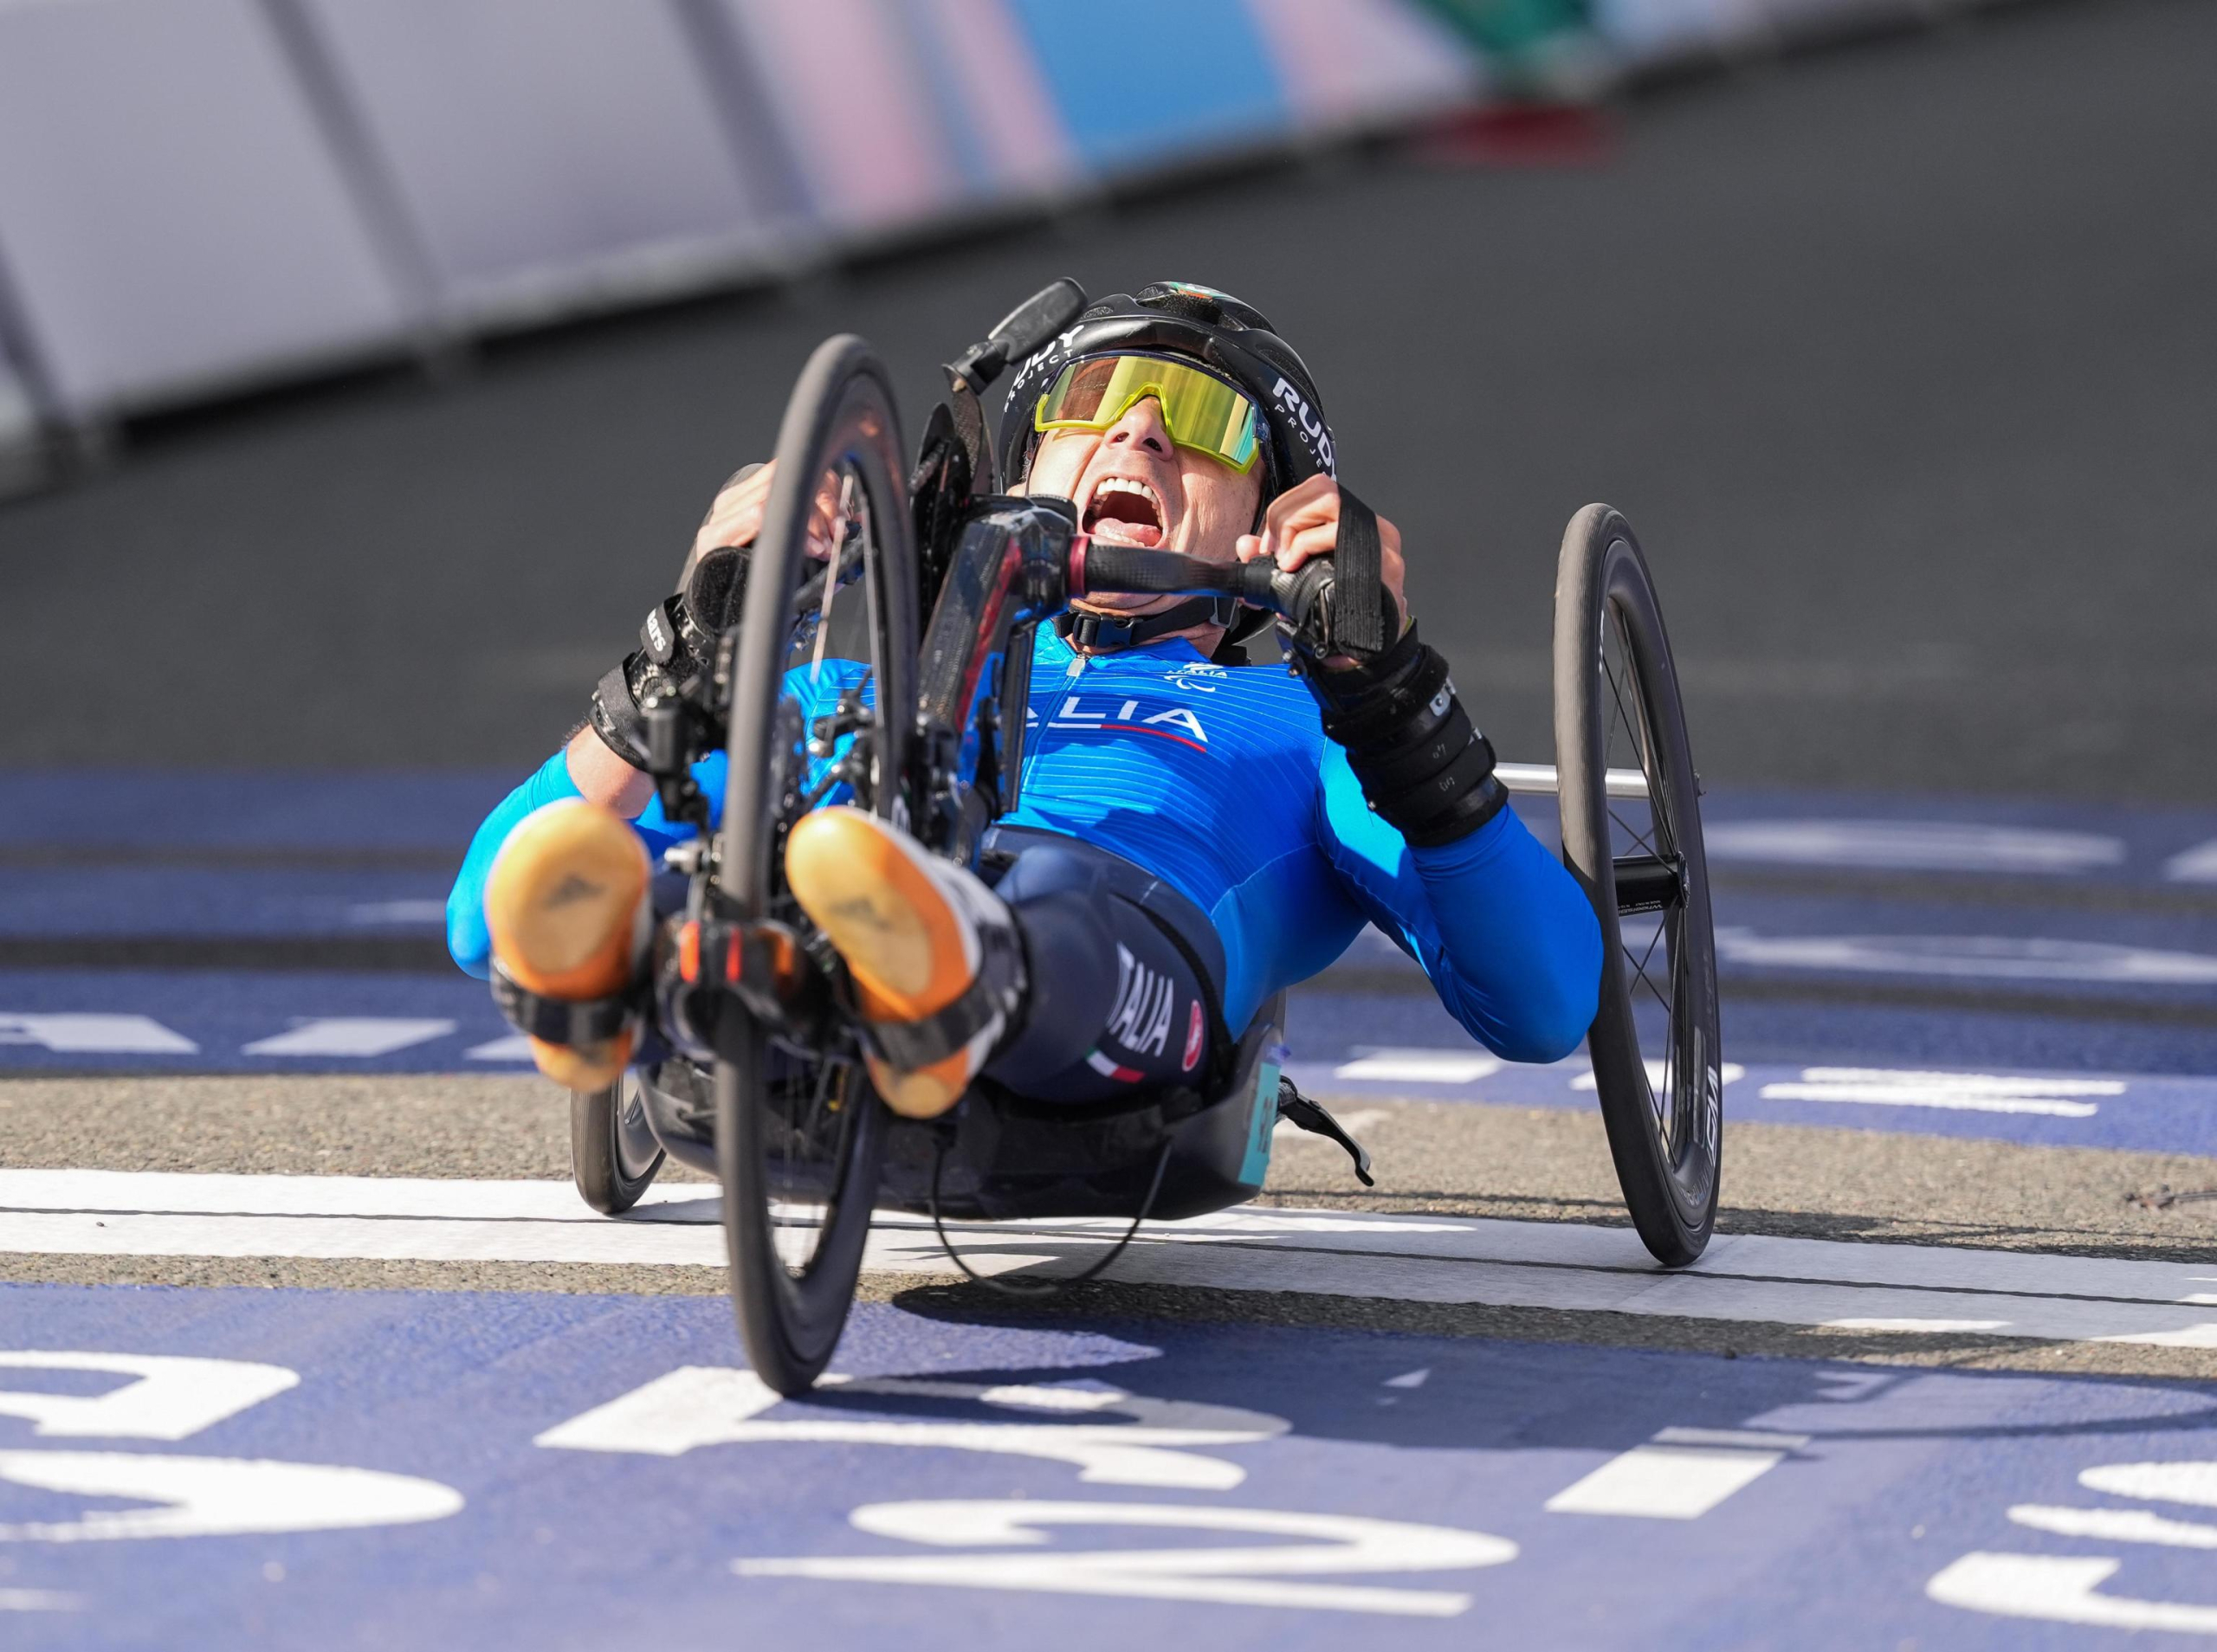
(1124, 602)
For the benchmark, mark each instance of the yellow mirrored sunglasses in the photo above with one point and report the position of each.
(1199, 410)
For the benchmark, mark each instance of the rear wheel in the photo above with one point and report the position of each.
(613, 1153)
(1635, 844)
(823, 699)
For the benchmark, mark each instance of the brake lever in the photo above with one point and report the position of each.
(1303, 601)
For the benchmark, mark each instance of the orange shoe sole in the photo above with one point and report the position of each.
(864, 884)
(568, 906)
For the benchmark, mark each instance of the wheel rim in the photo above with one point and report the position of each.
(1654, 851)
(834, 643)
(637, 1152)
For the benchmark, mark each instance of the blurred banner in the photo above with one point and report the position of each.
(197, 195)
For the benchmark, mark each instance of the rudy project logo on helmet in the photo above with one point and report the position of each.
(1317, 438)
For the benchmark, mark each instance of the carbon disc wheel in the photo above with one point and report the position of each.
(827, 643)
(1634, 843)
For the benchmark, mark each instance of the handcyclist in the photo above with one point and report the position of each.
(1191, 837)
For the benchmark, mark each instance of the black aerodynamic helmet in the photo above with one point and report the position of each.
(1199, 324)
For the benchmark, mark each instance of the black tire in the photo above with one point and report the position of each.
(1616, 704)
(613, 1153)
(799, 1138)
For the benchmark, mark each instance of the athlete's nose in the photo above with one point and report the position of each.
(1141, 427)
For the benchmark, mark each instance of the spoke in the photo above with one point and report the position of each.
(832, 569)
(1652, 946)
(1636, 729)
(871, 562)
(1638, 837)
(1625, 719)
(1656, 993)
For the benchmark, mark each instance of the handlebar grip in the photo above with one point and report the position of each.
(1097, 567)
(1302, 599)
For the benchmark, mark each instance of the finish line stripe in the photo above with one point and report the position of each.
(1751, 1278)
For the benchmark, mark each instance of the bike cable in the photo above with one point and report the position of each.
(1046, 1286)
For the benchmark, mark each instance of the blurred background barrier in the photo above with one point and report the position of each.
(199, 197)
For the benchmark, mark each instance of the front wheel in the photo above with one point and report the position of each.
(822, 703)
(1632, 836)
(613, 1153)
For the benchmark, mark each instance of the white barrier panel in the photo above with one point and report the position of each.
(1008, 135)
(545, 150)
(1149, 81)
(18, 430)
(198, 192)
(1649, 30)
(848, 82)
(1355, 62)
(170, 212)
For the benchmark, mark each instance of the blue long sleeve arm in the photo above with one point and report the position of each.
(467, 939)
(1503, 931)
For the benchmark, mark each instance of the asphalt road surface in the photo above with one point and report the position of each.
(1894, 356)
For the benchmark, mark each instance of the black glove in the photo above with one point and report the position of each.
(676, 654)
(1424, 770)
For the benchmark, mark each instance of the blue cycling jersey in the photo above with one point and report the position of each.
(1220, 781)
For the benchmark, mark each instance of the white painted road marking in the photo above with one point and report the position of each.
(96, 1035)
(1247, 1575)
(2116, 1526)
(2000, 958)
(1921, 845)
(39, 1600)
(171, 1397)
(1142, 1441)
(2067, 1589)
(2197, 865)
(1680, 1475)
(358, 1035)
(216, 1496)
(2061, 1589)
(514, 1048)
(1749, 1278)
(1958, 1092)
(397, 911)
(1728, 1071)
(1419, 1065)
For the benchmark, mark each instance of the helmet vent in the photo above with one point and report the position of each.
(1187, 307)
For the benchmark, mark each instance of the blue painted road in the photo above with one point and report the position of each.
(2014, 908)
(288, 1468)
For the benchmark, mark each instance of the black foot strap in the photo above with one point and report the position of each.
(1312, 1117)
(573, 1022)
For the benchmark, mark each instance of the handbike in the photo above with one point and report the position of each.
(830, 687)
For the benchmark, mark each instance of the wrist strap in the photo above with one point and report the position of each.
(1358, 561)
(616, 717)
(1423, 768)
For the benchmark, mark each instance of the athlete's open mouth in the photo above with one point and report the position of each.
(1124, 511)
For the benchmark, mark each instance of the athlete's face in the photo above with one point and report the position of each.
(1133, 486)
